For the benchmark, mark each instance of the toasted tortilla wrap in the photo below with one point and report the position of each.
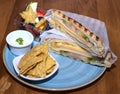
(79, 33)
(70, 49)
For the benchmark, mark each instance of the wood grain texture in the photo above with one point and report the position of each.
(104, 10)
(6, 8)
(5, 13)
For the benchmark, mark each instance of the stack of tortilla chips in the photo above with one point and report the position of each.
(37, 62)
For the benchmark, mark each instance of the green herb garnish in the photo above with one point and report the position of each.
(91, 60)
(85, 37)
(64, 21)
(20, 41)
(62, 52)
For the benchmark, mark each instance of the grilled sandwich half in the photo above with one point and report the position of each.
(79, 33)
(72, 50)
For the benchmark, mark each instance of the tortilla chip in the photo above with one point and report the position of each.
(50, 70)
(41, 23)
(43, 68)
(37, 71)
(40, 70)
(49, 62)
(30, 64)
(37, 62)
(29, 56)
(28, 69)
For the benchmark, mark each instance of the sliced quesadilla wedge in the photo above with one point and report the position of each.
(79, 33)
(70, 49)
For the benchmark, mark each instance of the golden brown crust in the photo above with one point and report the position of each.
(83, 28)
(77, 24)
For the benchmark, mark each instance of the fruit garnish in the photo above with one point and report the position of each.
(33, 19)
(40, 23)
(33, 5)
(29, 15)
(40, 13)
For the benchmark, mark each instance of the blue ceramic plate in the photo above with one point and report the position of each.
(72, 74)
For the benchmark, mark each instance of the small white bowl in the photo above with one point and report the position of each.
(15, 47)
(16, 61)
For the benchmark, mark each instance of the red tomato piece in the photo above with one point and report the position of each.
(40, 12)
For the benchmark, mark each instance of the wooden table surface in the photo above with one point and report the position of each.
(104, 10)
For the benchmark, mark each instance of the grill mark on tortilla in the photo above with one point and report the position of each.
(97, 38)
(91, 34)
(86, 30)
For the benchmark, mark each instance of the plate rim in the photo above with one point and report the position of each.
(48, 89)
